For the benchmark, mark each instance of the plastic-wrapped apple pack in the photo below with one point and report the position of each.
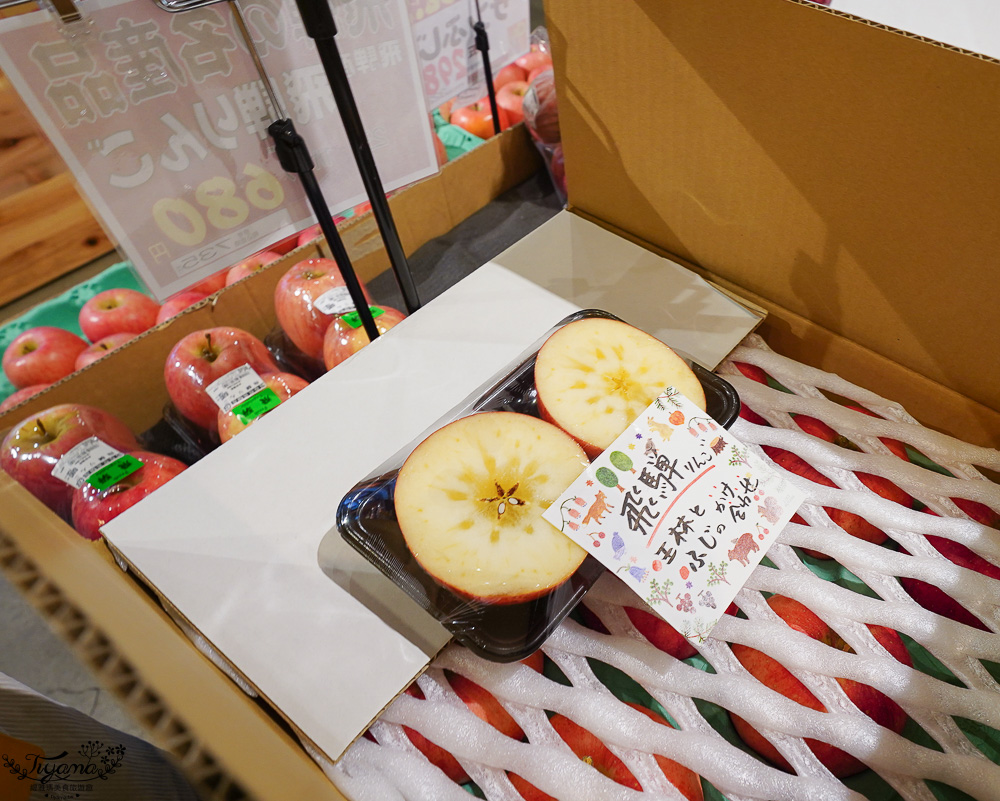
(854, 636)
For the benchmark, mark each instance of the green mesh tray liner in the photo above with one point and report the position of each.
(63, 311)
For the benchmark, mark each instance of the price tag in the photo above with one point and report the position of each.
(353, 319)
(256, 406)
(680, 510)
(335, 301)
(235, 387)
(94, 459)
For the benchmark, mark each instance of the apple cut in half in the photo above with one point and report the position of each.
(469, 503)
(595, 376)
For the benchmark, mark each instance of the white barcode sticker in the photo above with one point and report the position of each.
(81, 461)
(335, 301)
(235, 387)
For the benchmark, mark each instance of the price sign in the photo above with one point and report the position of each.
(445, 43)
(162, 119)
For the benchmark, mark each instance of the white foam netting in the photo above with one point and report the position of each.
(392, 768)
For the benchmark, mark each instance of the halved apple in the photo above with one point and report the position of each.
(595, 376)
(469, 503)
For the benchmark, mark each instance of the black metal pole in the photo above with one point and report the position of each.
(483, 46)
(294, 157)
(320, 26)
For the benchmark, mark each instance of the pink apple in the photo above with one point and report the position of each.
(510, 97)
(307, 235)
(92, 508)
(295, 298)
(511, 72)
(204, 356)
(117, 311)
(34, 445)
(101, 348)
(41, 355)
(175, 304)
(538, 71)
(533, 60)
(250, 265)
(21, 395)
(342, 340)
(210, 285)
(284, 385)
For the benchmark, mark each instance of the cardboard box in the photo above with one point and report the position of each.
(245, 738)
(831, 170)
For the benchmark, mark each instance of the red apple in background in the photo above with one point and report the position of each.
(117, 311)
(511, 72)
(284, 385)
(41, 355)
(250, 265)
(307, 235)
(880, 708)
(533, 60)
(21, 395)
(175, 304)
(445, 109)
(101, 348)
(92, 508)
(204, 356)
(477, 118)
(537, 71)
(511, 99)
(34, 445)
(295, 298)
(541, 109)
(210, 285)
(343, 340)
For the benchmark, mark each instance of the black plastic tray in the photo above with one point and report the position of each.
(366, 519)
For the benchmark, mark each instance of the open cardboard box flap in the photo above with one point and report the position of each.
(843, 176)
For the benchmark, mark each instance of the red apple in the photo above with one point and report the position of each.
(511, 72)
(307, 235)
(753, 372)
(117, 311)
(92, 508)
(41, 355)
(342, 339)
(534, 60)
(435, 754)
(541, 109)
(484, 704)
(250, 265)
(651, 626)
(295, 303)
(880, 708)
(175, 304)
(101, 348)
(33, 446)
(210, 285)
(284, 385)
(204, 356)
(21, 395)
(477, 118)
(511, 99)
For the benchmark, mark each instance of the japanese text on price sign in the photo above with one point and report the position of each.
(445, 43)
(163, 120)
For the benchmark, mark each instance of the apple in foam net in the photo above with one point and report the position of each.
(33, 447)
(877, 706)
(21, 395)
(117, 311)
(175, 304)
(343, 340)
(92, 508)
(204, 356)
(41, 355)
(102, 348)
(595, 376)
(295, 303)
(469, 501)
(284, 385)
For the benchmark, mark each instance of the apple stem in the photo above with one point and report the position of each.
(38, 422)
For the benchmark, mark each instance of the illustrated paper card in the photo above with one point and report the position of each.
(680, 510)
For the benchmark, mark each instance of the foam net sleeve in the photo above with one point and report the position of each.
(954, 705)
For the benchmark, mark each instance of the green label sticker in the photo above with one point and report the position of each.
(256, 405)
(353, 319)
(111, 474)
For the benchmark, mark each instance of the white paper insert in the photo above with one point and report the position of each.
(335, 301)
(81, 461)
(680, 510)
(235, 387)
